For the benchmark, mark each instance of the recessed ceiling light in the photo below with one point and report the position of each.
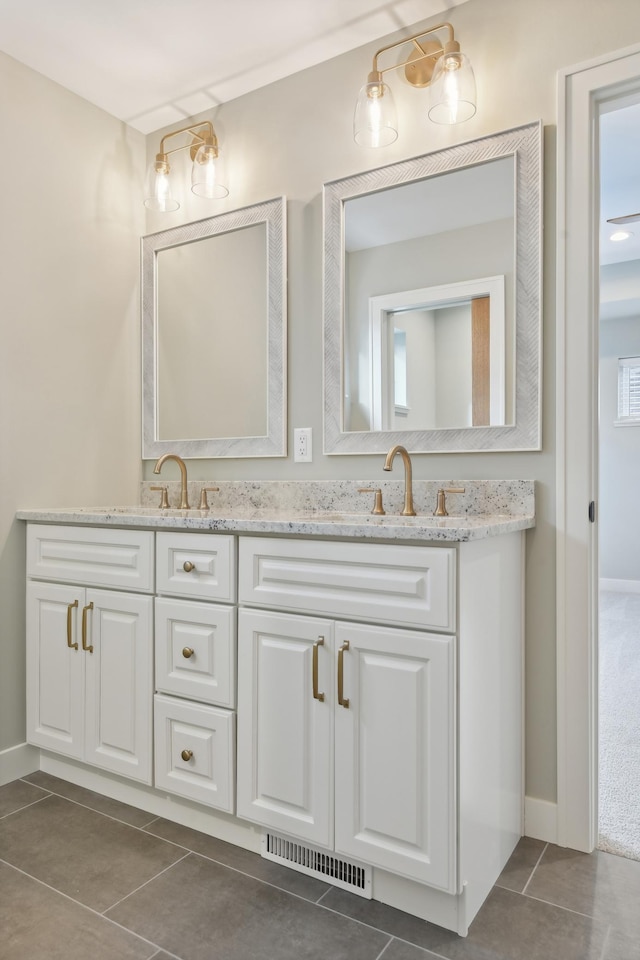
(620, 235)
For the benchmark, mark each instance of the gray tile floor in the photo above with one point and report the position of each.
(83, 877)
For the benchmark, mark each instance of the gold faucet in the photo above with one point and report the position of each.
(407, 510)
(184, 500)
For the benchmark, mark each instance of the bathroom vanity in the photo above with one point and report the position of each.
(341, 691)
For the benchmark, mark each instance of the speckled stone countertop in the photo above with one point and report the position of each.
(321, 509)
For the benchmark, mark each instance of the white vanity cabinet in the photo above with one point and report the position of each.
(380, 709)
(195, 675)
(90, 646)
(357, 697)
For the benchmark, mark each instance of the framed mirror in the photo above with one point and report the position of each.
(214, 336)
(432, 301)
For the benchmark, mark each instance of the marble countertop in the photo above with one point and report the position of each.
(321, 508)
(312, 524)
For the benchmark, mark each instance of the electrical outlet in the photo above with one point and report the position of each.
(302, 449)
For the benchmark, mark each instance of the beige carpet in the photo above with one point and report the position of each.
(619, 724)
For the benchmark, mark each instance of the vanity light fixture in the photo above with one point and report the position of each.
(439, 66)
(206, 171)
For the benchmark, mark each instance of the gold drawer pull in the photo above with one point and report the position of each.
(187, 566)
(89, 648)
(344, 702)
(70, 607)
(187, 652)
(186, 755)
(317, 696)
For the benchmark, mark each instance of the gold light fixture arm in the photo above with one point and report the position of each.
(207, 136)
(419, 76)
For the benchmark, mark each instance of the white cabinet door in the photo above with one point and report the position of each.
(90, 676)
(395, 752)
(119, 685)
(55, 668)
(284, 731)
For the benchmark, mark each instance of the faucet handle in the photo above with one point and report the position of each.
(204, 503)
(378, 509)
(164, 497)
(441, 508)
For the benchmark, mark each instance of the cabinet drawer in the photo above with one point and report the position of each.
(194, 752)
(92, 556)
(196, 565)
(196, 650)
(374, 582)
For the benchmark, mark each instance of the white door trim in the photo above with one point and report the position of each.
(580, 90)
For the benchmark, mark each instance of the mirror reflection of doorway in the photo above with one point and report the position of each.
(619, 481)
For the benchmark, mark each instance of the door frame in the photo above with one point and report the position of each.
(581, 91)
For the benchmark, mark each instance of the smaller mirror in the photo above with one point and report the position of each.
(214, 333)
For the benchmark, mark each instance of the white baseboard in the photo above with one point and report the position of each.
(620, 586)
(18, 761)
(540, 820)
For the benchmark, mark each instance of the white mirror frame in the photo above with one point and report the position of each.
(524, 144)
(274, 444)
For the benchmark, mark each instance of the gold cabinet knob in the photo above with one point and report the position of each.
(186, 755)
(187, 566)
(187, 652)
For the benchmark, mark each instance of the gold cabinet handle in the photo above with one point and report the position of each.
(317, 696)
(186, 755)
(187, 566)
(187, 652)
(89, 648)
(343, 701)
(70, 607)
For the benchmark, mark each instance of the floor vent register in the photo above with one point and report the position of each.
(318, 863)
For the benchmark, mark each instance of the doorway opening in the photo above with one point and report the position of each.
(619, 480)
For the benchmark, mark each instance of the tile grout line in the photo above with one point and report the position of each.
(605, 945)
(243, 873)
(330, 887)
(125, 823)
(385, 948)
(143, 885)
(537, 864)
(25, 807)
(559, 906)
(84, 906)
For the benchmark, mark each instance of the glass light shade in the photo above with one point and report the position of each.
(207, 173)
(374, 121)
(453, 90)
(158, 192)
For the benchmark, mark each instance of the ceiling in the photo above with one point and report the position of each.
(152, 63)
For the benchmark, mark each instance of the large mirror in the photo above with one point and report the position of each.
(432, 301)
(214, 336)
